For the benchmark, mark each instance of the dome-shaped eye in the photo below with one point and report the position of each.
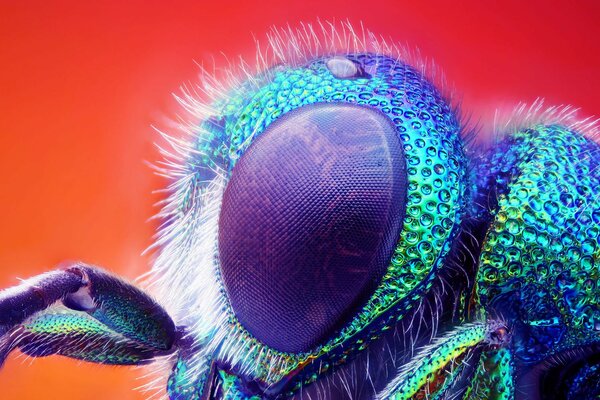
(309, 221)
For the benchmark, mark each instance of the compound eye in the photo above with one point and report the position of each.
(309, 221)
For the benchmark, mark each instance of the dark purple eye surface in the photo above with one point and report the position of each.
(309, 221)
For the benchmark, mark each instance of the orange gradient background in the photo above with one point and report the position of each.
(81, 83)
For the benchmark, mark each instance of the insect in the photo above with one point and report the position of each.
(328, 234)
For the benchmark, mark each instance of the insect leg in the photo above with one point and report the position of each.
(77, 335)
(427, 373)
(95, 308)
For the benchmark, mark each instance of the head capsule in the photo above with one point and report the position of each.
(327, 192)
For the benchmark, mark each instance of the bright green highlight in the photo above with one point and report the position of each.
(433, 358)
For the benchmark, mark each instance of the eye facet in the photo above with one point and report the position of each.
(309, 221)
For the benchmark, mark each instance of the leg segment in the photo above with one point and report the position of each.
(427, 373)
(86, 313)
(36, 294)
(77, 335)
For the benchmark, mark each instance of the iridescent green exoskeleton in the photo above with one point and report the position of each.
(537, 268)
(328, 235)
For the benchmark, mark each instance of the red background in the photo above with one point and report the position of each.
(80, 85)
